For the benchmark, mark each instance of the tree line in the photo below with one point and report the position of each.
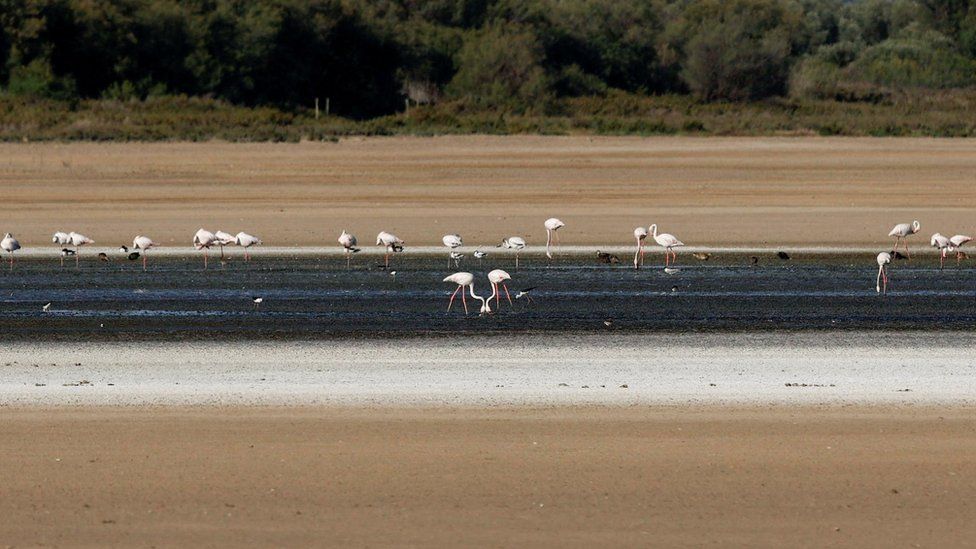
(519, 56)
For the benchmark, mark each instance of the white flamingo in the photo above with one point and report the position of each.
(452, 241)
(392, 242)
(224, 239)
(203, 240)
(463, 280)
(552, 225)
(498, 277)
(640, 233)
(957, 242)
(903, 230)
(78, 240)
(516, 243)
(668, 241)
(61, 239)
(10, 245)
(143, 243)
(884, 258)
(245, 241)
(348, 243)
(941, 243)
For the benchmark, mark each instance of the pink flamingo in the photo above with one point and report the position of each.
(497, 277)
(463, 280)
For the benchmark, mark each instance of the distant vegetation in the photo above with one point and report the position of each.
(252, 70)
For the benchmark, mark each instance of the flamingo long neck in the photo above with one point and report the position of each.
(484, 304)
(654, 230)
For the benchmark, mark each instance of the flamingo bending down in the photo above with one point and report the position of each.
(203, 240)
(245, 241)
(552, 225)
(640, 233)
(957, 242)
(452, 241)
(514, 243)
(348, 243)
(61, 239)
(10, 245)
(392, 242)
(497, 277)
(224, 239)
(463, 280)
(903, 230)
(143, 243)
(77, 240)
(884, 258)
(941, 243)
(668, 241)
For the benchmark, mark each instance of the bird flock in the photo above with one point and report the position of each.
(203, 240)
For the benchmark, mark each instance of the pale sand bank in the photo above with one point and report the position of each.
(711, 192)
(567, 477)
(518, 370)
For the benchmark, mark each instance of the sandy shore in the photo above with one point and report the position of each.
(774, 368)
(858, 477)
(712, 192)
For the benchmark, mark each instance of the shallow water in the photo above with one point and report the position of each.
(321, 298)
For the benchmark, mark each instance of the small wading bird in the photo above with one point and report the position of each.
(393, 245)
(10, 245)
(609, 259)
(498, 278)
(668, 241)
(245, 241)
(348, 243)
(224, 239)
(143, 243)
(904, 230)
(61, 239)
(452, 241)
(465, 280)
(640, 233)
(257, 302)
(884, 258)
(480, 255)
(513, 243)
(525, 293)
(456, 257)
(957, 242)
(77, 240)
(552, 225)
(203, 240)
(941, 243)
(133, 256)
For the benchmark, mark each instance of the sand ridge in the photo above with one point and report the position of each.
(711, 192)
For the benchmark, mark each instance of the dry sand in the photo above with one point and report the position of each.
(709, 191)
(858, 477)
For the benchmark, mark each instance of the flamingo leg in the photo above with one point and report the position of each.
(143, 262)
(77, 257)
(205, 258)
(516, 259)
(11, 262)
(387, 259)
(464, 301)
(451, 302)
(62, 261)
(507, 294)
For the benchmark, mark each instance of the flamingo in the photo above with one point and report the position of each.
(392, 242)
(884, 258)
(941, 243)
(143, 243)
(348, 243)
(957, 242)
(497, 277)
(903, 230)
(203, 240)
(552, 225)
(514, 243)
(640, 233)
(245, 241)
(61, 239)
(77, 240)
(452, 241)
(463, 280)
(10, 245)
(668, 241)
(224, 239)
